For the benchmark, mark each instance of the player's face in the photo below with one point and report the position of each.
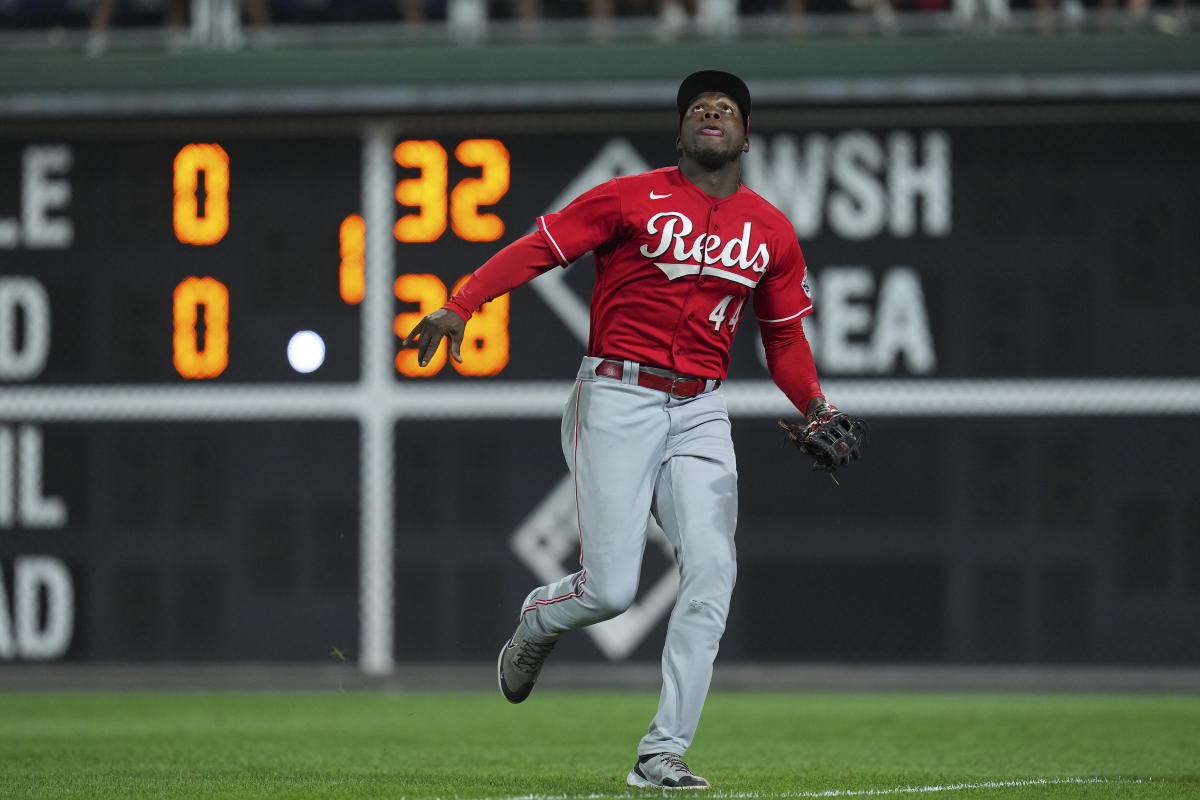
(713, 132)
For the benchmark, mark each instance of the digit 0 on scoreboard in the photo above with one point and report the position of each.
(194, 225)
(192, 359)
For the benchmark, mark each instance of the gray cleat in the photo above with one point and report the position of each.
(520, 662)
(665, 770)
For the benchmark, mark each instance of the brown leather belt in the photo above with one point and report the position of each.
(674, 385)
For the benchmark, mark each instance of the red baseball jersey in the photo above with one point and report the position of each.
(676, 266)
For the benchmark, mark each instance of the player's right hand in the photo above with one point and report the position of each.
(428, 333)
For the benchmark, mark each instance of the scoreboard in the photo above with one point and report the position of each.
(176, 483)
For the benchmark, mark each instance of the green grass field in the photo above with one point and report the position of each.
(575, 744)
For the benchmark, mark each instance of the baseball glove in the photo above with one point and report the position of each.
(832, 438)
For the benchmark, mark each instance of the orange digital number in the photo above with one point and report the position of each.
(429, 293)
(352, 237)
(485, 342)
(471, 193)
(190, 226)
(190, 360)
(427, 192)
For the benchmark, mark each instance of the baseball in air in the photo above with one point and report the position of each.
(306, 351)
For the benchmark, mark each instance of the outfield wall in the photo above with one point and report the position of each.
(1006, 273)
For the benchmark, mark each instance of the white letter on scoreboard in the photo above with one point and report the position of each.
(909, 182)
(902, 324)
(30, 574)
(41, 193)
(35, 510)
(844, 294)
(7, 650)
(27, 295)
(859, 210)
(21, 499)
(8, 478)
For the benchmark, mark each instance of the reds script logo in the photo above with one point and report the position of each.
(706, 249)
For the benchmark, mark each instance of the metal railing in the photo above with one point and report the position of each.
(216, 25)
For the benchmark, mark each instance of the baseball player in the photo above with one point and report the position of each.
(682, 254)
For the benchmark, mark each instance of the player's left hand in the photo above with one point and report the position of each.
(834, 439)
(428, 334)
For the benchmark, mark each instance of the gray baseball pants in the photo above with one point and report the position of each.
(634, 451)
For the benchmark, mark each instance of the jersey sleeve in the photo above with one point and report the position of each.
(782, 295)
(790, 362)
(514, 265)
(590, 220)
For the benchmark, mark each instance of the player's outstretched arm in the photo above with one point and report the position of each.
(518, 263)
(429, 332)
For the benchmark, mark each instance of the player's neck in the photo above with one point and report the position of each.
(721, 182)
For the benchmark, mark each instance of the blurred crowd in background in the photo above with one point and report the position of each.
(234, 23)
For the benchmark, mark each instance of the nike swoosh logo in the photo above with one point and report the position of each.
(654, 196)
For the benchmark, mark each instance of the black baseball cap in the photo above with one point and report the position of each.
(711, 80)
